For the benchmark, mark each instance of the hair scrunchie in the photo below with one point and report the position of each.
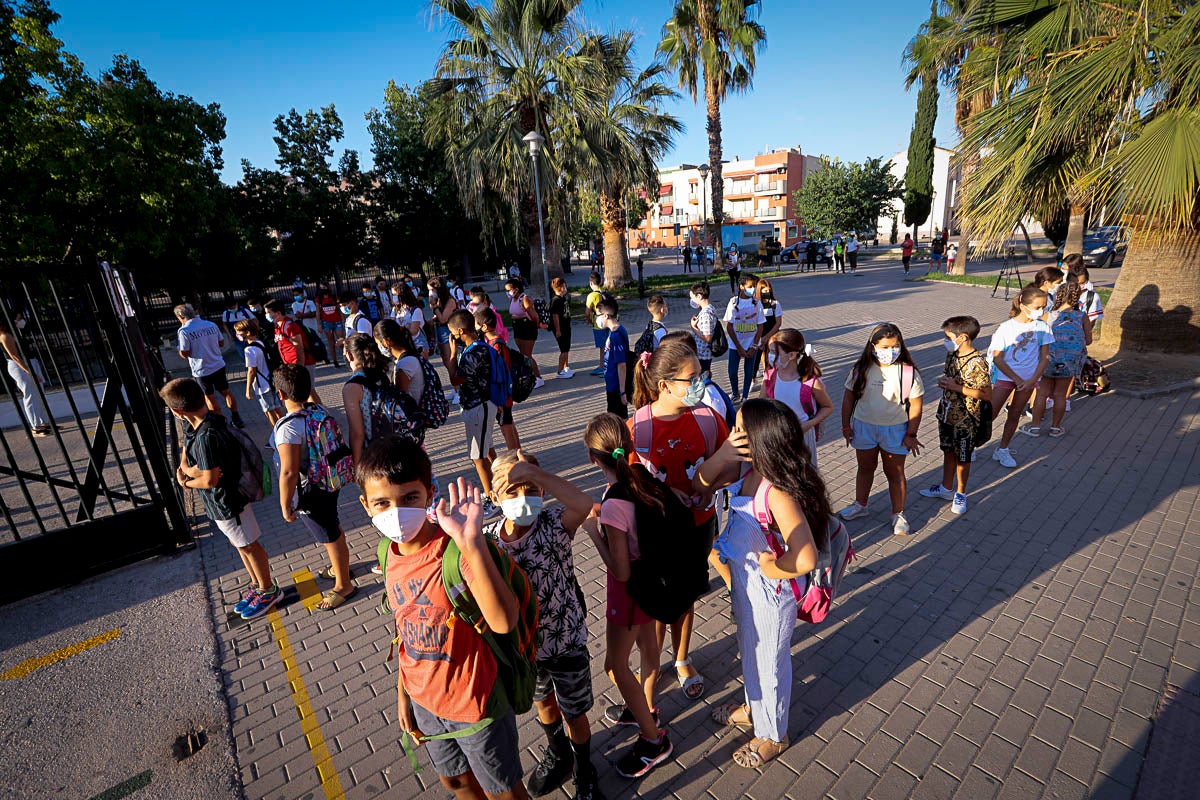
(618, 453)
(645, 359)
(808, 349)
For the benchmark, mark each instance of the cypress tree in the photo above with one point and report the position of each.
(918, 176)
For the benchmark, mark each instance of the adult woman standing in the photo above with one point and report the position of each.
(27, 383)
(525, 323)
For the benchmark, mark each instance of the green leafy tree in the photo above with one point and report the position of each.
(714, 44)
(918, 175)
(842, 197)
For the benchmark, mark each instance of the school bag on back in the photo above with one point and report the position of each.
(500, 382)
(815, 597)
(433, 402)
(730, 411)
(388, 410)
(313, 343)
(325, 458)
(543, 314)
(672, 572)
(719, 345)
(522, 375)
(271, 354)
(254, 482)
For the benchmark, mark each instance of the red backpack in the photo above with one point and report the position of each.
(815, 598)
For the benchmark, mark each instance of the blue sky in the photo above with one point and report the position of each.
(829, 81)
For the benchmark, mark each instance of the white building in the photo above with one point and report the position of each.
(946, 180)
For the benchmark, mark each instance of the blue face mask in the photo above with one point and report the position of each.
(748, 292)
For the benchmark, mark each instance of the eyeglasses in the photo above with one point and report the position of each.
(701, 379)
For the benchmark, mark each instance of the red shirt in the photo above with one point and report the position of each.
(906, 247)
(327, 308)
(284, 331)
(448, 669)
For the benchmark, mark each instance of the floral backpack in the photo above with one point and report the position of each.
(815, 597)
(325, 460)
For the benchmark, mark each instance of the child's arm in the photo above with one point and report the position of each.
(404, 712)
(352, 395)
(1088, 325)
(289, 478)
(915, 406)
(591, 526)
(1005, 369)
(577, 504)
(824, 405)
(801, 555)
(847, 413)
(461, 517)
(725, 466)
(1043, 362)
(251, 377)
(618, 551)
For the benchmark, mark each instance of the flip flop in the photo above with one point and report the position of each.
(331, 599)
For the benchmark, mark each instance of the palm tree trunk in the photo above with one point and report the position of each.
(964, 246)
(1074, 242)
(1028, 243)
(707, 21)
(612, 219)
(1155, 303)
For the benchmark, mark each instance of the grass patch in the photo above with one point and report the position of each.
(988, 280)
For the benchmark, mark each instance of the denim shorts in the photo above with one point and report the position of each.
(331, 327)
(269, 401)
(888, 438)
(443, 335)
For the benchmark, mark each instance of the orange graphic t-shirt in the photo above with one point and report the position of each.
(448, 670)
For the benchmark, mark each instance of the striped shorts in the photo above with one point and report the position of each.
(569, 677)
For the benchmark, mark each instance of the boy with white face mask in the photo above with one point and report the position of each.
(539, 540)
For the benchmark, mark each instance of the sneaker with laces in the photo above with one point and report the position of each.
(959, 506)
(539, 383)
(853, 511)
(263, 602)
(645, 756)
(1005, 458)
(938, 492)
(597, 372)
(246, 600)
(899, 525)
(620, 714)
(551, 772)
(566, 373)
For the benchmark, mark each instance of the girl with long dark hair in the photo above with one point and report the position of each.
(525, 322)
(441, 307)
(396, 343)
(368, 370)
(794, 378)
(1020, 353)
(407, 311)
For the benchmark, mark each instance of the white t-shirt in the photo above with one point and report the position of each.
(1021, 344)
(358, 323)
(305, 306)
(746, 314)
(201, 340)
(852, 246)
(1095, 309)
(408, 316)
(411, 367)
(734, 257)
(257, 358)
(788, 393)
(713, 399)
(771, 313)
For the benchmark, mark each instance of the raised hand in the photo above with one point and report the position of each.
(460, 515)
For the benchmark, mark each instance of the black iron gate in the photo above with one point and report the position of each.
(86, 482)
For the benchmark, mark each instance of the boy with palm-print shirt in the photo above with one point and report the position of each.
(539, 540)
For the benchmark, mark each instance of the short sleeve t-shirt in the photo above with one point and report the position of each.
(201, 340)
(772, 312)
(411, 367)
(958, 410)
(706, 322)
(256, 357)
(304, 306)
(358, 323)
(560, 309)
(882, 399)
(447, 669)
(1089, 301)
(327, 309)
(677, 449)
(407, 316)
(622, 515)
(1021, 344)
(746, 315)
(211, 446)
(544, 554)
(593, 299)
(906, 247)
(616, 352)
(284, 331)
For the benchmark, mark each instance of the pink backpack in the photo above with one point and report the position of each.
(643, 432)
(814, 600)
(807, 400)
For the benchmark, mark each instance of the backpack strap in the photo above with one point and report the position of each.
(762, 511)
(769, 378)
(808, 400)
(643, 431)
(706, 420)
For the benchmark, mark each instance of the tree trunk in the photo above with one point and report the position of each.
(1028, 244)
(1155, 304)
(707, 21)
(964, 246)
(1074, 242)
(612, 218)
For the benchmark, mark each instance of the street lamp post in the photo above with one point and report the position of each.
(703, 170)
(534, 140)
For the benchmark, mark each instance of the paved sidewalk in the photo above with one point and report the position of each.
(1023, 650)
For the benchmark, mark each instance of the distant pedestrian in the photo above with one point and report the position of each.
(212, 465)
(735, 270)
(599, 332)
(304, 311)
(526, 322)
(641, 266)
(329, 317)
(852, 254)
(234, 311)
(560, 324)
(839, 254)
(368, 304)
(687, 258)
(937, 254)
(906, 251)
(810, 255)
(951, 255)
(744, 319)
(200, 344)
(26, 381)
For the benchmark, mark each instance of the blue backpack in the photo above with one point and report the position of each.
(500, 382)
(730, 411)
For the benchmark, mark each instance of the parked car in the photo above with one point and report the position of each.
(1103, 247)
(797, 253)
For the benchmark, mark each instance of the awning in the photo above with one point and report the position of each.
(693, 180)
(664, 190)
(768, 168)
(666, 211)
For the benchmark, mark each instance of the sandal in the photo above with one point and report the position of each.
(332, 599)
(756, 752)
(326, 573)
(1030, 430)
(1056, 432)
(731, 714)
(690, 683)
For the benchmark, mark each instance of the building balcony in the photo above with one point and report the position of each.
(770, 187)
(773, 212)
(739, 194)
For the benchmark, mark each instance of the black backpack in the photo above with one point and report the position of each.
(645, 342)
(719, 345)
(521, 371)
(672, 572)
(313, 343)
(388, 410)
(543, 315)
(272, 355)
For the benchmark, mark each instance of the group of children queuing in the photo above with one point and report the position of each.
(688, 450)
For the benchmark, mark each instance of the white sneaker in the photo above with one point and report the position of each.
(899, 525)
(566, 373)
(1005, 458)
(959, 506)
(539, 383)
(1068, 404)
(853, 511)
(454, 398)
(938, 492)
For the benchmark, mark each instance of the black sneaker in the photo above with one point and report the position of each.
(620, 714)
(551, 772)
(237, 421)
(587, 786)
(644, 756)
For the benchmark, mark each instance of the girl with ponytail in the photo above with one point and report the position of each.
(1020, 352)
(794, 378)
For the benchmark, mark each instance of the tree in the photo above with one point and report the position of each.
(842, 197)
(714, 43)
(918, 175)
(895, 234)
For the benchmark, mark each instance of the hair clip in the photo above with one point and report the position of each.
(808, 349)
(618, 452)
(645, 359)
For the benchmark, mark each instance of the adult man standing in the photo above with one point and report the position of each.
(852, 253)
(810, 255)
(906, 249)
(687, 258)
(304, 311)
(293, 349)
(200, 343)
(937, 251)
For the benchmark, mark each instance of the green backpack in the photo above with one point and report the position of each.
(515, 651)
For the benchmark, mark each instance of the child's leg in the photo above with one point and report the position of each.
(483, 469)
(339, 560)
(651, 657)
(681, 646)
(749, 367)
(620, 640)
(1060, 399)
(465, 786)
(764, 625)
(868, 460)
(893, 469)
(1019, 399)
(258, 564)
(1039, 402)
(1000, 393)
(734, 365)
(512, 440)
(949, 464)
(962, 471)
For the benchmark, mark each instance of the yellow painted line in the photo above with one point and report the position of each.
(330, 782)
(306, 587)
(30, 664)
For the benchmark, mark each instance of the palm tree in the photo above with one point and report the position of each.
(517, 66)
(1107, 109)
(619, 147)
(715, 43)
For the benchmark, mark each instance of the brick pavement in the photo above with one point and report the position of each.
(1021, 650)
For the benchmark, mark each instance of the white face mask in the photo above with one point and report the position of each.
(522, 510)
(1034, 313)
(887, 355)
(21, 323)
(771, 359)
(400, 524)
(383, 351)
(950, 345)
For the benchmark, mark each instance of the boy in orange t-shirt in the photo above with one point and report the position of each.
(446, 672)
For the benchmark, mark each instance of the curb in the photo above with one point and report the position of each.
(1158, 391)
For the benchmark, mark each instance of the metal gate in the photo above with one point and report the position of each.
(96, 490)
